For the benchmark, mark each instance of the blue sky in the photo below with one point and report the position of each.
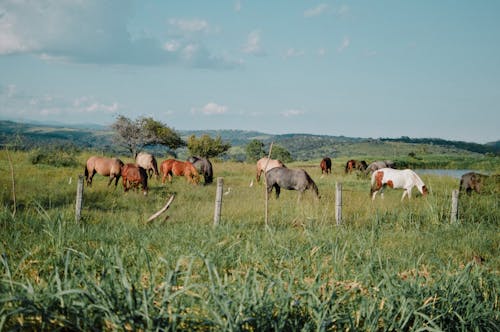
(355, 68)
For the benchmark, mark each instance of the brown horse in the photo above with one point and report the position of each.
(105, 166)
(148, 162)
(353, 165)
(326, 165)
(261, 163)
(134, 175)
(172, 167)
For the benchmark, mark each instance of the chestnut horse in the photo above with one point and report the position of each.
(403, 179)
(105, 166)
(148, 162)
(134, 175)
(326, 165)
(261, 163)
(172, 167)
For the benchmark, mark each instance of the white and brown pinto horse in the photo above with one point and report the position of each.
(399, 179)
(148, 162)
(261, 164)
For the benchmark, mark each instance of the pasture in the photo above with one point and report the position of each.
(391, 265)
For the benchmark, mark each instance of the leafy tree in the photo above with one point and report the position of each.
(144, 131)
(206, 147)
(281, 153)
(254, 150)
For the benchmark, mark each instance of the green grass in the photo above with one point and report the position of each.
(389, 266)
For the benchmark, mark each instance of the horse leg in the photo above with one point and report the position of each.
(278, 190)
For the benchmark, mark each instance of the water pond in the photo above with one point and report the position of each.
(454, 173)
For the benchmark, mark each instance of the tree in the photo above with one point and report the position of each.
(206, 146)
(144, 131)
(254, 150)
(281, 153)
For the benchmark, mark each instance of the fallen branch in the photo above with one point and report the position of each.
(163, 209)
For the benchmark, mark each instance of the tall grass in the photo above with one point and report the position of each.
(389, 266)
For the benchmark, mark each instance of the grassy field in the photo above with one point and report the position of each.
(389, 266)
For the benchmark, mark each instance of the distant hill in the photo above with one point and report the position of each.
(301, 146)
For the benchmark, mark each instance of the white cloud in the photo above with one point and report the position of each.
(321, 51)
(253, 44)
(97, 32)
(211, 109)
(292, 112)
(292, 52)
(345, 44)
(237, 5)
(316, 11)
(189, 25)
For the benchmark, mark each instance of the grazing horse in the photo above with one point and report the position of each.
(473, 181)
(172, 167)
(203, 166)
(326, 165)
(148, 162)
(394, 178)
(352, 165)
(134, 175)
(378, 165)
(105, 166)
(261, 163)
(290, 179)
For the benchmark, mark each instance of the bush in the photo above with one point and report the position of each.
(53, 157)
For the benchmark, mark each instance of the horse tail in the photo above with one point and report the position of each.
(144, 179)
(86, 172)
(346, 167)
(155, 166)
(209, 172)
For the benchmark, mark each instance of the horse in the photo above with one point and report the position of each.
(261, 163)
(397, 179)
(148, 162)
(203, 166)
(379, 165)
(477, 182)
(134, 175)
(172, 167)
(104, 166)
(326, 165)
(352, 165)
(290, 179)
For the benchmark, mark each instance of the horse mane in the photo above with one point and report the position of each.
(311, 184)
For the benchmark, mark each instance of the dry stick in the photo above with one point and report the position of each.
(163, 209)
(265, 181)
(13, 183)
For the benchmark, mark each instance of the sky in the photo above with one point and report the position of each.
(366, 69)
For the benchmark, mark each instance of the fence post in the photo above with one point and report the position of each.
(454, 206)
(79, 199)
(338, 202)
(218, 200)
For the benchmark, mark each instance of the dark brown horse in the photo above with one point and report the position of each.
(134, 175)
(172, 167)
(148, 162)
(326, 165)
(104, 166)
(353, 165)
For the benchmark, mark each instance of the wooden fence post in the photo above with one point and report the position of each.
(338, 202)
(218, 200)
(454, 206)
(79, 199)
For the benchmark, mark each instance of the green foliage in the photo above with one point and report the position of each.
(144, 131)
(54, 157)
(281, 153)
(206, 146)
(254, 150)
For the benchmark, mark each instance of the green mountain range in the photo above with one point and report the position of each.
(301, 146)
